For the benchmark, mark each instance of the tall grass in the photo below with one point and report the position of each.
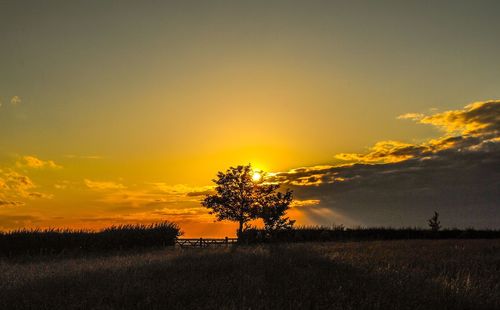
(400, 274)
(54, 241)
(338, 233)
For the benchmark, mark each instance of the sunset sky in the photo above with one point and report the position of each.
(373, 112)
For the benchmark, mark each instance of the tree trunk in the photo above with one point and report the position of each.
(240, 229)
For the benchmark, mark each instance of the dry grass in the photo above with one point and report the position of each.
(416, 274)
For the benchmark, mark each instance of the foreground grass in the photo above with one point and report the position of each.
(416, 274)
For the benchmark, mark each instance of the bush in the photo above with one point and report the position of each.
(54, 241)
(336, 233)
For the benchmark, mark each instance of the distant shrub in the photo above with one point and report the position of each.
(434, 222)
(53, 241)
(336, 233)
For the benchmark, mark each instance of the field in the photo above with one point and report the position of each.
(415, 274)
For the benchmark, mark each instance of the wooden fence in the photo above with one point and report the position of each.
(203, 243)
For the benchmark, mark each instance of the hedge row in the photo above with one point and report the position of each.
(305, 234)
(53, 241)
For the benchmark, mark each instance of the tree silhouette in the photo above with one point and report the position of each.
(234, 199)
(434, 222)
(272, 208)
(238, 197)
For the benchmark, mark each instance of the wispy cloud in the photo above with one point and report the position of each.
(305, 203)
(385, 151)
(37, 163)
(183, 189)
(15, 100)
(17, 182)
(153, 195)
(150, 202)
(16, 187)
(478, 118)
(103, 185)
(14, 221)
(72, 156)
(412, 116)
(10, 203)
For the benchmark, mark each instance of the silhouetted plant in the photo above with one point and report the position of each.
(240, 198)
(273, 206)
(338, 232)
(54, 241)
(434, 222)
(234, 199)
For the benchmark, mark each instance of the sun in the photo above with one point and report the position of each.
(256, 176)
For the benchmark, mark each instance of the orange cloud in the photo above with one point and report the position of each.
(182, 189)
(10, 203)
(305, 203)
(476, 123)
(16, 187)
(456, 173)
(472, 119)
(412, 116)
(385, 152)
(103, 185)
(34, 162)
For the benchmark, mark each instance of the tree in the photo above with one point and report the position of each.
(241, 198)
(234, 199)
(272, 209)
(434, 222)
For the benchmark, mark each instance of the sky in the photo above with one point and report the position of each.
(376, 113)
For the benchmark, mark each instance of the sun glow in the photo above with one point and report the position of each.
(256, 176)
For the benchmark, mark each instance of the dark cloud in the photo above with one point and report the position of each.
(401, 184)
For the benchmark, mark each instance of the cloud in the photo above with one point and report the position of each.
(478, 118)
(186, 212)
(305, 203)
(386, 152)
(150, 202)
(16, 221)
(154, 195)
(412, 116)
(10, 203)
(16, 182)
(40, 195)
(103, 185)
(401, 184)
(62, 185)
(15, 100)
(16, 187)
(83, 156)
(183, 189)
(36, 163)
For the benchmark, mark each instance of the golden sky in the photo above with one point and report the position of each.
(118, 112)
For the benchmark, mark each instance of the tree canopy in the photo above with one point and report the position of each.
(241, 198)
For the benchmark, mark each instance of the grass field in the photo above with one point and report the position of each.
(415, 274)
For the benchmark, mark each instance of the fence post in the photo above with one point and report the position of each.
(227, 241)
(201, 242)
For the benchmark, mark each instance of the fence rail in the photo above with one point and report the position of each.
(203, 243)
